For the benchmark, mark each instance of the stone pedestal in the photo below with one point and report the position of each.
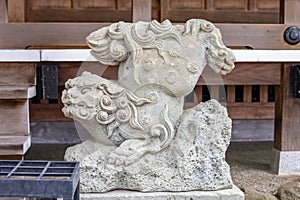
(286, 162)
(229, 194)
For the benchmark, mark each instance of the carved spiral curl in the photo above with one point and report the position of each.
(159, 28)
(141, 35)
(123, 115)
(104, 118)
(116, 30)
(207, 26)
(122, 102)
(107, 104)
(118, 51)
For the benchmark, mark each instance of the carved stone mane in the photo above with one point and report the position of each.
(190, 47)
(137, 123)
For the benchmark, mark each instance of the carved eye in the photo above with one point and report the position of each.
(85, 90)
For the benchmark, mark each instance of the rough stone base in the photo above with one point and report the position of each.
(286, 162)
(228, 194)
(193, 161)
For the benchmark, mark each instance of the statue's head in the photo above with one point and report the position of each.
(196, 43)
(217, 55)
(79, 96)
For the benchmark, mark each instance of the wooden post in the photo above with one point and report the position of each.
(230, 93)
(16, 10)
(286, 152)
(214, 92)
(263, 93)
(141, 10)
(198, 91)
(290, 11)
(247, 93)
(3, 11)
(287, 111)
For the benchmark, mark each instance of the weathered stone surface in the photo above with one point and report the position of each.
(195, 160)
(142, 138)
(290, 191)
(285, 162)
(255, 195)
(228, 194)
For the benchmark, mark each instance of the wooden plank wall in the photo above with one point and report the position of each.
(74, 10)
(245, 11)
(232, 11)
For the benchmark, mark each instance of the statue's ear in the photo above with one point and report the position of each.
(108, 45)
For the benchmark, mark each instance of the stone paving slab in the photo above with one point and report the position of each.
(229, 194)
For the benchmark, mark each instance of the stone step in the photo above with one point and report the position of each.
(14, 117)
(17, 92)
(14, 145)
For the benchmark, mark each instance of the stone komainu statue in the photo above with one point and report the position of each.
(142, 139)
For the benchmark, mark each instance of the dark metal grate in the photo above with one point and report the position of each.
(46, 179)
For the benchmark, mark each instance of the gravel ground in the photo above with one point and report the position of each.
(250, 167)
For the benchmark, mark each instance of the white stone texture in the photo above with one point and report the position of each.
(142, 138)
(195, 160)
(285, 162)
(228, 194)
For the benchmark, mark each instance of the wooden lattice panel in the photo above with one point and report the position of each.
(219, 11)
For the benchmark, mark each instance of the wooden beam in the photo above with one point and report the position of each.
(141, 10)
(77, 15)
(39, 35)
(239, 16)
(253, 110)
(244, 74)
(16, 10)
(287, 112)
(3, 11)
(257, 36)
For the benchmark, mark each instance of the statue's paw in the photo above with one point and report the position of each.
(117, 159)
(128, 152)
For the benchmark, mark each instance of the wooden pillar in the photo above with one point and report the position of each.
(16, 10)
(287, 111)
(214, 92)
(141, 10)
(3, 11)
(286, 152)
(230, 93)
(290, 11)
